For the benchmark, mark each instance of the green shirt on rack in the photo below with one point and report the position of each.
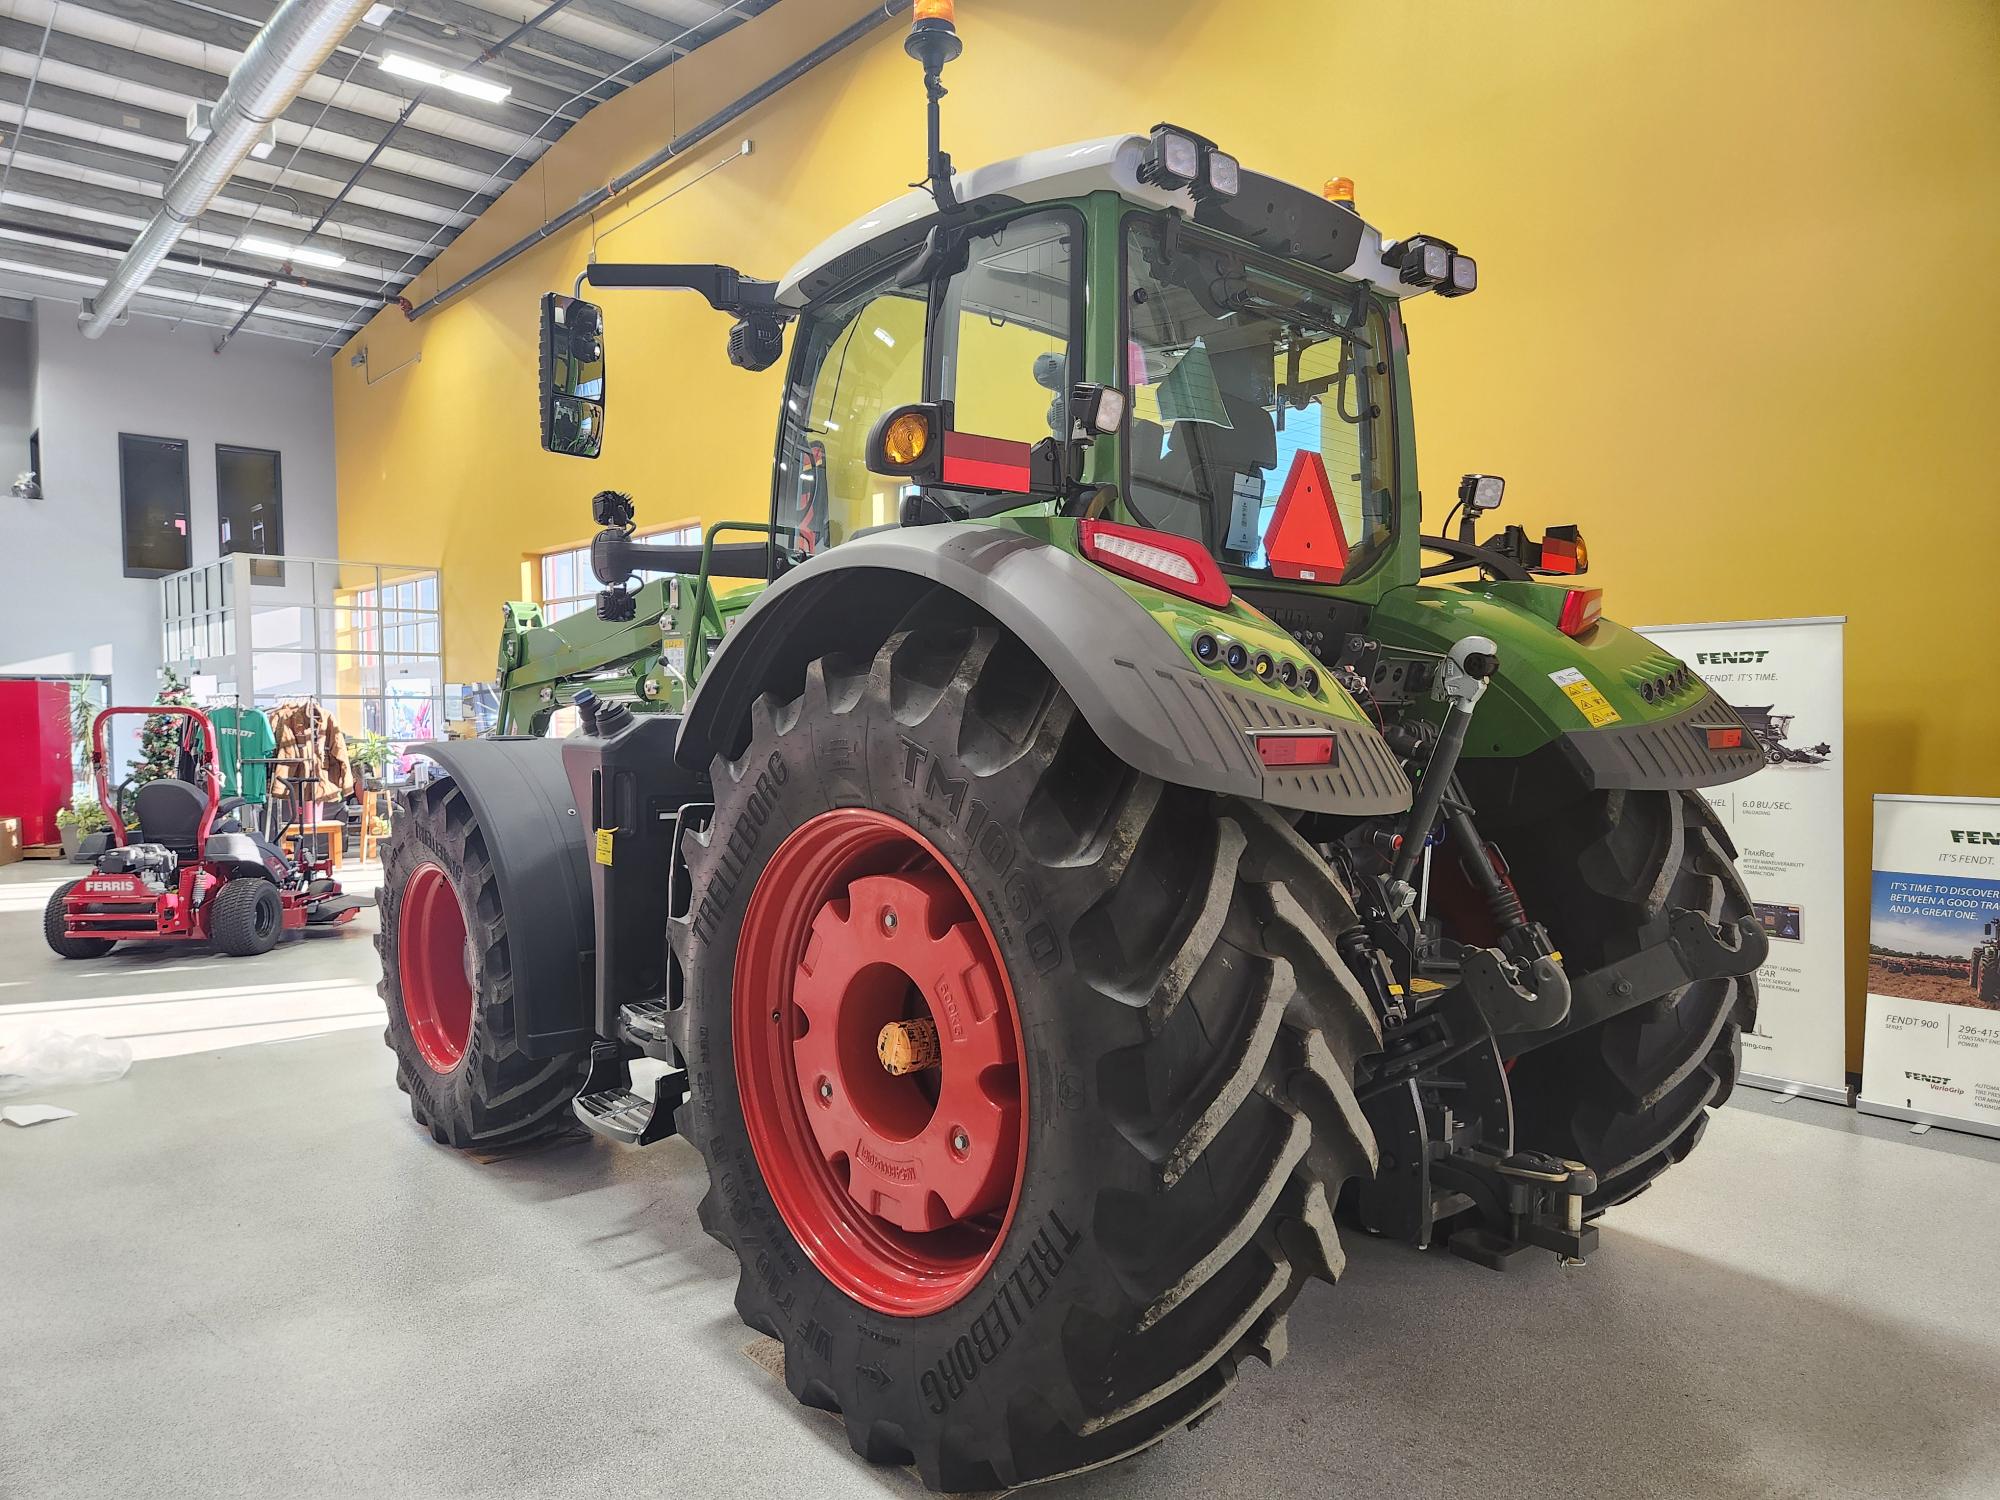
(242, 734)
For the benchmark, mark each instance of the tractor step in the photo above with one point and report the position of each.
(643, 1023)
(606, 1105)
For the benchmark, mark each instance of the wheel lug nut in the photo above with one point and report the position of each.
(888, 919)
(960, 1141)
(825, 1089)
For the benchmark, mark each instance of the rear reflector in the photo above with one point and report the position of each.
(984, 463)
(1580, 611)
(1725, 739)
(1165, 561)
(1295, 749)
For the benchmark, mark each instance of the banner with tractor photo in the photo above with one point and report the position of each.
(1932, 1042)
(1783, 678)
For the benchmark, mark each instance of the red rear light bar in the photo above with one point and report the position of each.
(1169, 562)
(1580, 611)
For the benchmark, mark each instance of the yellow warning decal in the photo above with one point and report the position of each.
(604, 845)
(1580, 690)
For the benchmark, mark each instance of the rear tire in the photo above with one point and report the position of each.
(247, 918)
(1188, 1040)
(1631, 1096)
(53, 924)
(448, 984)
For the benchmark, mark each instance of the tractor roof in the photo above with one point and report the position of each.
(1110, 163)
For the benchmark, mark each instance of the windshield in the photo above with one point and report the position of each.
(1260, 407)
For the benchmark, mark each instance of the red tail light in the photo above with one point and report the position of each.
(1295, 749)
(1159, 558)
(1725, 739)
(1581, 609)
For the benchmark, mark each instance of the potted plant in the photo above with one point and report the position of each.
(370, 754)
(79, 821)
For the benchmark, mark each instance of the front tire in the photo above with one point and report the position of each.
(448, 984)
(1631, 1096)
(54, 924)
(248, 917)
(1183, 1041)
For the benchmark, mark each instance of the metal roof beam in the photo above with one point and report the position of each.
(136, 207)
(152, 124)
(520, 113)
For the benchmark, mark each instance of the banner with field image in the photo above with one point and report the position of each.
(1784, 678)
(1932, 1039)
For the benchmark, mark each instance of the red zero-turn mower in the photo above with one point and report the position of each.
(196, 875)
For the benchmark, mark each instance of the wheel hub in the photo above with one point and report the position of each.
(434, 968)
(885, 954)
(879, 1061)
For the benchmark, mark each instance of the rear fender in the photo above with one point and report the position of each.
(1132, 680)
(1608, 710)
(536, 840)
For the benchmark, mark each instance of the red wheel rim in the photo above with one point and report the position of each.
(900, 1187)
(432, 966)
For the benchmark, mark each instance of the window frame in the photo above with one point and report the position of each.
(1295, 270)
(274, 576)
(125, 507)
(877, 275)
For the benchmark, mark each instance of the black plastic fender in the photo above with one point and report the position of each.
(1149, 704)
(541, 862)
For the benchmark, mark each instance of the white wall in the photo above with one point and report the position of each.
(66, 605)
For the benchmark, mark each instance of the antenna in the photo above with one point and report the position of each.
(934, 41)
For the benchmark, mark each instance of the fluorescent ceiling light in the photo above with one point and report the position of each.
(458, 83)
(278, 250)
(378, 16)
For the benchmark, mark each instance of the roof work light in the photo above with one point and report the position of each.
(1182, 159)
(1434, 264)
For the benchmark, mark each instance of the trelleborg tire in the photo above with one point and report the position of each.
(448, 984)
(1631, 1096)
(1059, 1248)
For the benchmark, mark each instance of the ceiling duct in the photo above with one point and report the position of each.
(290, 48)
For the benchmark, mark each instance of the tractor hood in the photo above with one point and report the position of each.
(1608, 705)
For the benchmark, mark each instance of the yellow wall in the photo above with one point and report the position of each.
(1738, 314)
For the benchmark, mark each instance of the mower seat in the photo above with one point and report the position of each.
(170, 814)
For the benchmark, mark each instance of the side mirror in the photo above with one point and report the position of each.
(572, 376)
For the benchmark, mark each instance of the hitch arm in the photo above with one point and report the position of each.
(1692, 948)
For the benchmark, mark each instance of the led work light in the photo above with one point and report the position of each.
(1182, 159)
(1434, 264)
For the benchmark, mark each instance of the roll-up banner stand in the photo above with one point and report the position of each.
(1784, 678)
(1931, 1045)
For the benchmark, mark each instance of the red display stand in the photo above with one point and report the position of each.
(34, 756)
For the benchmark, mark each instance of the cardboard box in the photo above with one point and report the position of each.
(10, 840)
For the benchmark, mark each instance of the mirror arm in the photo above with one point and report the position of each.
(724, 288)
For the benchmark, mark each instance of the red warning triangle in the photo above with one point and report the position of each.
(1305, 538)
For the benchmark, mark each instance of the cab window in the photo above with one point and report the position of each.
(860, 356)
(1006, 352)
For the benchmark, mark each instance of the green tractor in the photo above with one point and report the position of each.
(1080, 846)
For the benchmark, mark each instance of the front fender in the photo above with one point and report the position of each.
(1129, 677)
(526, 813)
